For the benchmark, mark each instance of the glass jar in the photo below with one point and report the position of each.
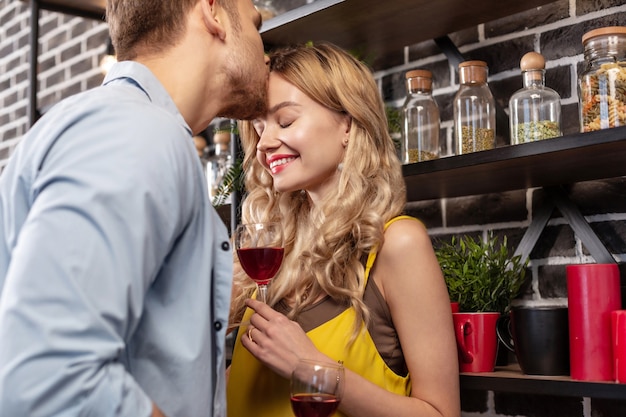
(266, 8)
(218, 164)
(602, 83)
(420, 130)
(535, 110)
(474, 110)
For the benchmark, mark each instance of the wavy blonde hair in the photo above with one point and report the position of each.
(326, 244)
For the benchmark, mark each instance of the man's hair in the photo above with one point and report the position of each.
(151, 26)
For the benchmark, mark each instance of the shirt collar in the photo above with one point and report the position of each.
(139, 75)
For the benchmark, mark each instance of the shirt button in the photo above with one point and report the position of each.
(225, 246)
(217, 326)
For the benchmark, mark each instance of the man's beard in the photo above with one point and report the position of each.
(248, 96)
(244, 104)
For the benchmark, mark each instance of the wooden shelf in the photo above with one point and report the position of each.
(511, 379)
(551, 162)
(374, 28)
(371, 27)
(87, 8)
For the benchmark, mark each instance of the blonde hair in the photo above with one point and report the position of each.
(326, 244)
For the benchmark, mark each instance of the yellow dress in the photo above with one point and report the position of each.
(255, 391)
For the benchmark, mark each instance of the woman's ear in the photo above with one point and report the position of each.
(348, 124)
(213, 19)
(348, 127)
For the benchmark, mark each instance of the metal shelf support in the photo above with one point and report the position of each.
(558, 199)
(34, 59)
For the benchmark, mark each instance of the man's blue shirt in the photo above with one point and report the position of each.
(115, 271)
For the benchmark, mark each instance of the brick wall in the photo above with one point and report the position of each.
(71, 48)
(555, 30)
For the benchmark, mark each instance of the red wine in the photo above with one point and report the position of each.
(261, 264)
(314, 405)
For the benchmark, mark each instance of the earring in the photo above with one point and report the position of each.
(340, 166)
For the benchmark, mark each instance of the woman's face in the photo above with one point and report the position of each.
(301, 142)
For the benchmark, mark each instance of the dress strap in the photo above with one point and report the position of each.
(371, 258)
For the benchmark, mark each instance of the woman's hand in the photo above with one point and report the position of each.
(277, 341)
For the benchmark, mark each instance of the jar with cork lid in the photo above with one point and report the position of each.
(474, 109)
(602, 83)
(535, 110)
(420, 130)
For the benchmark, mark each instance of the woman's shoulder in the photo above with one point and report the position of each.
(406, 251)
(403, 232)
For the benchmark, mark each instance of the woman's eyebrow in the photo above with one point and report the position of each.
(281, 105)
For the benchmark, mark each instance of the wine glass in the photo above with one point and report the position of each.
(260, 251)
(316, 388)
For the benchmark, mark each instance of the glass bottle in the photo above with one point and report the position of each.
(602, 83)
(420, 130)
(202, 149)
(219, 163)
(535, 110)
(474, 109)
(266, 8)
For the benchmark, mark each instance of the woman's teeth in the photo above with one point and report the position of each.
(281, 161)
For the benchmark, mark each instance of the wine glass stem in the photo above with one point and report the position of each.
(262, 292)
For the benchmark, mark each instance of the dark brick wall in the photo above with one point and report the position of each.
(70, 50)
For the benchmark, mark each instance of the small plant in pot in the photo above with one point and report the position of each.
(483, 277)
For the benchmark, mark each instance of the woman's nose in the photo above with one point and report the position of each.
(267, 141)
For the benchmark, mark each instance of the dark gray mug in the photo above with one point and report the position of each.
(539, 336)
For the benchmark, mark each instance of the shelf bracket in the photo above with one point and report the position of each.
(34, 57)
(557, 198)
(538, 223)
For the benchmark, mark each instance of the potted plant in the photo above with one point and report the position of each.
(483, 277)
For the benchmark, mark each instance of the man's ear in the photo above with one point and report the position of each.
(212, 19)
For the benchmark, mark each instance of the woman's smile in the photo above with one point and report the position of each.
(278, 163)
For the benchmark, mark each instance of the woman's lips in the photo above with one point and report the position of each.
(278, 164)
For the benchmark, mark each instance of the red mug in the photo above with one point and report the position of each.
(476, 340)
(618, 338)
(593, 292)
(454, 306)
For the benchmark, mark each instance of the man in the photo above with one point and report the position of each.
(115, 271)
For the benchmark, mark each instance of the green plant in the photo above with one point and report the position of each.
(394, 119)
(481, 275)
(233, 180)
(394, 124)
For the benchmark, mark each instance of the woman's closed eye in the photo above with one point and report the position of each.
(259, 126)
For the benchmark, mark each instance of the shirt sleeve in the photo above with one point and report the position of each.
(107, 205)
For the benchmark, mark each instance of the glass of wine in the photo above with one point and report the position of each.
(316, 388)
(260, 251)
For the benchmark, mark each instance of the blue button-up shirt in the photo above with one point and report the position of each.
(115, 271)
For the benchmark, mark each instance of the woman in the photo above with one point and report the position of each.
(358, 284)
